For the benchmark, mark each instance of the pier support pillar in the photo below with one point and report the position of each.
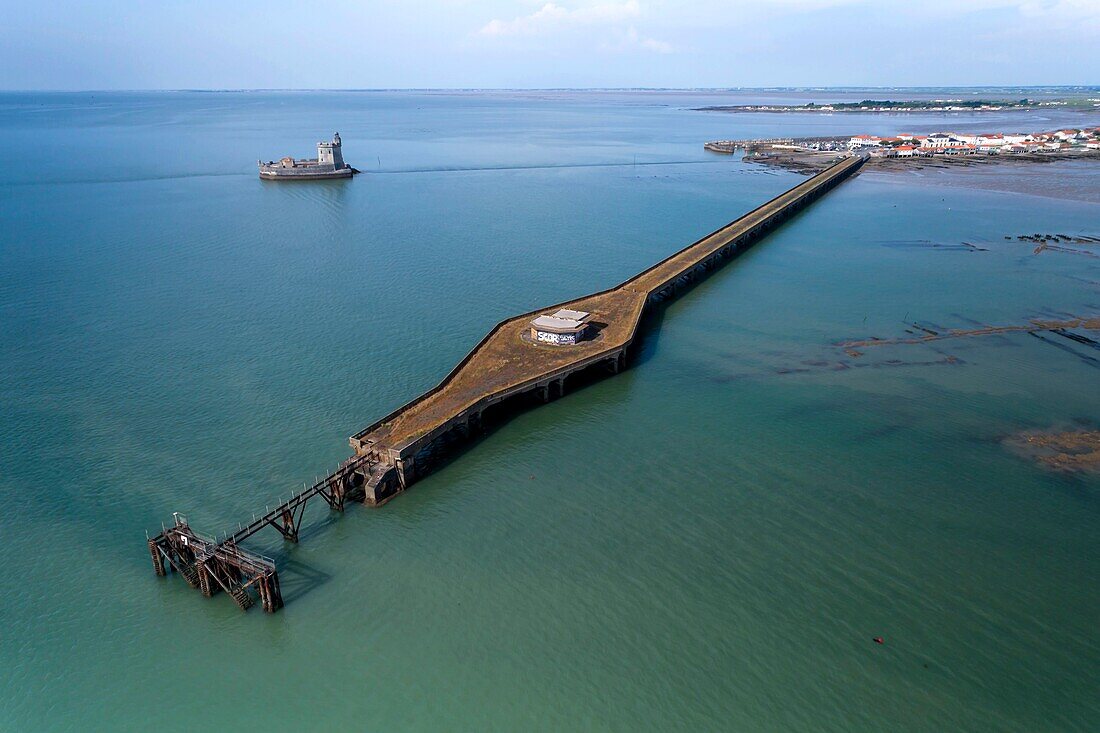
(338, 488)
(406, 472)
(289, 527)
(275, 594)
(158, 561)
(204, 579)
(556, 387)
(264, 589)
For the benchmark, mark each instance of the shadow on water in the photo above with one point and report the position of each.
(454, 444)
(297, 579)
(317, 525)
(330, 194)
(1085, 358)
(648, 337)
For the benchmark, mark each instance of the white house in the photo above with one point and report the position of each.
(941, 140)
(864, 141)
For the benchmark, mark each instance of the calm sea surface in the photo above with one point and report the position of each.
(708, 541)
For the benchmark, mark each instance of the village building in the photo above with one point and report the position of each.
(864, 141)
(941, 140)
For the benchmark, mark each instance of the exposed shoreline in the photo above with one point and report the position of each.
(1061, 451)
(924, 335)
(810, 162)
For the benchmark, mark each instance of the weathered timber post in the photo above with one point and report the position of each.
(265, 594)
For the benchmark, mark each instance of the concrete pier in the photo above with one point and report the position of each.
(394, 452)
(504, 365)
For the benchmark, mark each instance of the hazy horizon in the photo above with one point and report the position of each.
(775, 88)
(561, 44)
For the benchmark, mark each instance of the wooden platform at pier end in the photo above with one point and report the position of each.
(503, 364)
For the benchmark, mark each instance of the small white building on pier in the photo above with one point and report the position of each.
(563, 328)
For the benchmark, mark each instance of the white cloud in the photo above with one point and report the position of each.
(1072, 12)
(551, 17)
(614, 21)
(652, 44)
(631, 39)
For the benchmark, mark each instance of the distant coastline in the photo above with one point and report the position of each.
(887, 105)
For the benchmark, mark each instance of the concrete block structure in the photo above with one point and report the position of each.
(564, 328)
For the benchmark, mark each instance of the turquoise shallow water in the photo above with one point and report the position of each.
(708, 541)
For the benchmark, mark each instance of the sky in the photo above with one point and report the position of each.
(367, 44)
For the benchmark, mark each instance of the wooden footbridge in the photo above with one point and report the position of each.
(395, 451)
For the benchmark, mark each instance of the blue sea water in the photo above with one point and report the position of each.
(708, 541)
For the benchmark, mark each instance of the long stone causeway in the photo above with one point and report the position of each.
(395, 451)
